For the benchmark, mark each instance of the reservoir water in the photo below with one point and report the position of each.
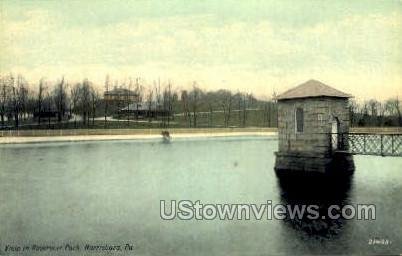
(109, 192)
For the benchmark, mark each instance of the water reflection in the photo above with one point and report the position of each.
(110, 191)
(320, 190)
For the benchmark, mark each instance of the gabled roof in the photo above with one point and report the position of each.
(312, 88)
(120, 91)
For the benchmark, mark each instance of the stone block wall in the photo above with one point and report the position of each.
(318, 116)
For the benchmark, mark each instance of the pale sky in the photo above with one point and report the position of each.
(253, 46)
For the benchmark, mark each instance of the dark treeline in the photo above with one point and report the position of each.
(24, 104)
(61, 104)
(375, 113)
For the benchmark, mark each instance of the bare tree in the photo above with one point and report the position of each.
(60, 99)
(74, 102)
(353, 110)
(226, 104)
(150, 97)
(173, 103)
(373, 106)
(158, 98)
(195, 96)
(128, 99)
(381, 114)
(238, 96)
(137, 94)
(394, 109)
(246, 100)
(85, 101)
(15, 100)
(167, 105)
(210, 101)
(94, 101)
(364, 113)
(106, 102)
(398, 110)
(31, 103)
(186, 109)
(267, 116)
(4, 99)
(41, 92)
(48, 106)
(165, 102)
(22, 89)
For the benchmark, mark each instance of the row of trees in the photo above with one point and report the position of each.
(22, 103)
(222, 102)
(15, 101)
(376, 113)
(192, 104)
(56, 102)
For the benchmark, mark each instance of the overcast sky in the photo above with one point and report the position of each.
(254, 46)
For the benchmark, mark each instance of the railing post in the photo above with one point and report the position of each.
(382, 145)
(392, 144)
(364, 143)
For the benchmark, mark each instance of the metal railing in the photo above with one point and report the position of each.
(368, 143)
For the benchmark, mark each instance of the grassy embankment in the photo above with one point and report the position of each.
(256, 121)
(254, 118)
(155, 131)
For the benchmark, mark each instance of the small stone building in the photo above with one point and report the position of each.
(310, 117)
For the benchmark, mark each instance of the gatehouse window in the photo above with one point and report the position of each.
(299, 119)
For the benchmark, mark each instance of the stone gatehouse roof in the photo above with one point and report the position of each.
(312, 88)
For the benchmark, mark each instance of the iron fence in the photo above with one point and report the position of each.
(368, 143)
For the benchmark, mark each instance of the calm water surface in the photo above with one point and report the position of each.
(109, 192)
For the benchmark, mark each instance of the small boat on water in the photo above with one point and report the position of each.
(166, 137)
